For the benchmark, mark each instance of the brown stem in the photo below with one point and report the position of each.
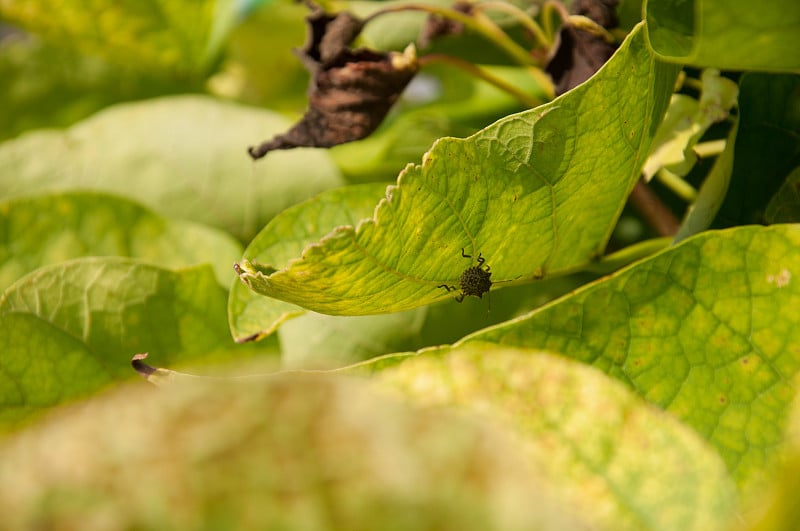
(654, 212)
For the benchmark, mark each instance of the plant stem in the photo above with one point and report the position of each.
(479, 23)
(675, 183)
(590, 26)
(632, 253)
(483, 74)
(550, 7)
(710, 149)
(693, 83)
(522, 17)
(653, 211)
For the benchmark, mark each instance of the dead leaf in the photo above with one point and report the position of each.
(579, 53)
(350, 92)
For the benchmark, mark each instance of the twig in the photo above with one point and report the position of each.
(653, 211)
(522, 17)
(480, 24)
(678, 186)
(483, 74)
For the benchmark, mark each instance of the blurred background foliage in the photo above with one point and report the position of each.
(150, 107)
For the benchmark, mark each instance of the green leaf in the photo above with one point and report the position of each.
(320, 341)
(621, 463)
(686, 121)
(773, 507)
(48, 85)
(784, 207)
(252, 316)
(707, 330)
(183, 36)
(459, 105)
(295, 452)
(726, 34)
(316, 341)
(629, 13)
(535, 194)
(182, 156)
(712, 193)
(767, 146)
(48, 229)
(70, 329)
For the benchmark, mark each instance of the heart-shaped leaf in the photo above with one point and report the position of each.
(708, 330)
(535, 195)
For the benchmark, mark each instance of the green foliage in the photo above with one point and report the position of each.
(48, 229)
(70, 329)
(610, 379)
(726, 34)
(706, 330)
(513, 192)
(685, 123)
(47, 85)
(283, 238)
(170, 154)
(309, 452)
(766, 149)
(180, 36)
(620, 463)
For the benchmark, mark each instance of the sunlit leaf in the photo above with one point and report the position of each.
(619, 461)
(48, 229)
(686, 122)
(535, 195)
(707, 330)
(70, 329)
(294, 452)
(177, 35)
(182, 156)
(726, 34)
(252, 316)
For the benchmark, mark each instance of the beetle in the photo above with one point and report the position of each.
(475, 280)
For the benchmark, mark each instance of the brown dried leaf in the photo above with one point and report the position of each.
(351, 91)
(579, 53)
(328, 36)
